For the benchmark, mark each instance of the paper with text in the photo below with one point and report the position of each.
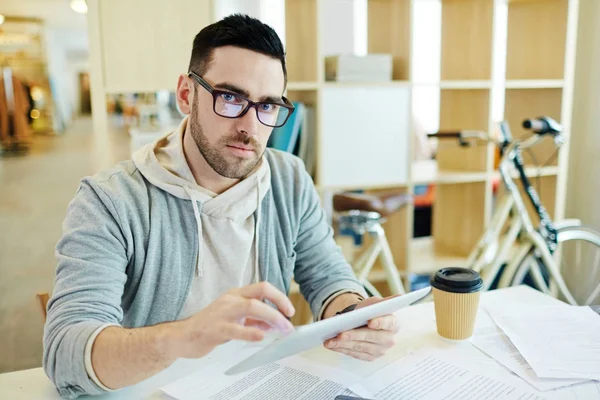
(291, 378)
(557, 341)
(433, 375)
(490, 339)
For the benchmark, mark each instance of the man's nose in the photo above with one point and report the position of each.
(249, 122)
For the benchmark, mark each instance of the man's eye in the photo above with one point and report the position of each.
(268, 107)
(230, 98)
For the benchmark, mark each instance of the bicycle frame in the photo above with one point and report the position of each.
(511, 209)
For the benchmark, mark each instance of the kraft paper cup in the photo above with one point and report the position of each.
(456, 293)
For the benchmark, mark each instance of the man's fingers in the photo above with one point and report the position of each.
(240, 332)
(381, 337)
(356, 347)
(368, 302)
(265, 290)
(258, 324)
(385, 323)
(360, 356)
(257, 310)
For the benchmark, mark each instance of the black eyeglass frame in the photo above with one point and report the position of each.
(251, 104)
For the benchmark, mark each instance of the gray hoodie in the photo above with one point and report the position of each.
(130, 251)
(227, 234)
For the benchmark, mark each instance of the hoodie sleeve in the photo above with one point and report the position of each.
(89, 283)
(321, 269)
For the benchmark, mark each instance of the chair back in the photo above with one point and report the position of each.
(43, 300)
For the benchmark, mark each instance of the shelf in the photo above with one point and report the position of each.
(335, 84)
(456, 84)
(425, 172)
(534, 84)
(465, 84)
(532, 172)
(424, 260)
(366, 187)
(302, 85)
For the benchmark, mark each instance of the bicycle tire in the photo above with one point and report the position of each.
(566, 234)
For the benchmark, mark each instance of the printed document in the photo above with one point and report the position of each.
(434, 374)
(291, 378)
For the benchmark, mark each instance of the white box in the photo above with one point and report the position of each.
(352, 68)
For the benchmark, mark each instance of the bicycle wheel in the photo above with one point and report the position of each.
(579, 262)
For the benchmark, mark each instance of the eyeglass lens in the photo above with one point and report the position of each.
(229, 105)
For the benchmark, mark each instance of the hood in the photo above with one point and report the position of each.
(163, 163)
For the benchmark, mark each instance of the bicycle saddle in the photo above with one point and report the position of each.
(384, 204)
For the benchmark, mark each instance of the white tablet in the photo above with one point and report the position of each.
(308, 336)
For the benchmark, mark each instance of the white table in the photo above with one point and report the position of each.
(417, 330)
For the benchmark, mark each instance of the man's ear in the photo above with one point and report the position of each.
(185, 96)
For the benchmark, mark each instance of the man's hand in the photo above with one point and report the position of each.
(239, 314)
(123, 357)
(367, 343)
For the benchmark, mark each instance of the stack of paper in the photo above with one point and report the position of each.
(550, 347)
(492, 341)
(557, 342)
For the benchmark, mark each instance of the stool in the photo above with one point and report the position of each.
(365, 213)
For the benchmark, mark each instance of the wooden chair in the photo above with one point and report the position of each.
(43, 300)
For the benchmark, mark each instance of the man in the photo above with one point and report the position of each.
(183, 248)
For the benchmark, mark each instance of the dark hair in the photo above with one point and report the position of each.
(238, 30)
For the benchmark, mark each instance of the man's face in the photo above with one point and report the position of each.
(234, 146)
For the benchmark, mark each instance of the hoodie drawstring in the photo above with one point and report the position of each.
(256, 235)
(199, 268)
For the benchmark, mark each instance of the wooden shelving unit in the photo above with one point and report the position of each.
(536, 80)
(364, 131)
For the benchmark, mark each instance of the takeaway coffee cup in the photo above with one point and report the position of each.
(456, 294)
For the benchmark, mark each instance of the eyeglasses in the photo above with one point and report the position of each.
(232, 105)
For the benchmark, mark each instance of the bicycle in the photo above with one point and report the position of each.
(536, 252)
(361, 214)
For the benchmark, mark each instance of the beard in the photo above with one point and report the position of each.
(217, 155)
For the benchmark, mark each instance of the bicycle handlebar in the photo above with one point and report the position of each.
(542, 125)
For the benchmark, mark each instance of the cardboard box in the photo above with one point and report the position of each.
(352, 68)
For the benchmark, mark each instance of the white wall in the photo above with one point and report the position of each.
(271, 12)
(63, 69)
(583, 197)
(337, 26)
(347, 35)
